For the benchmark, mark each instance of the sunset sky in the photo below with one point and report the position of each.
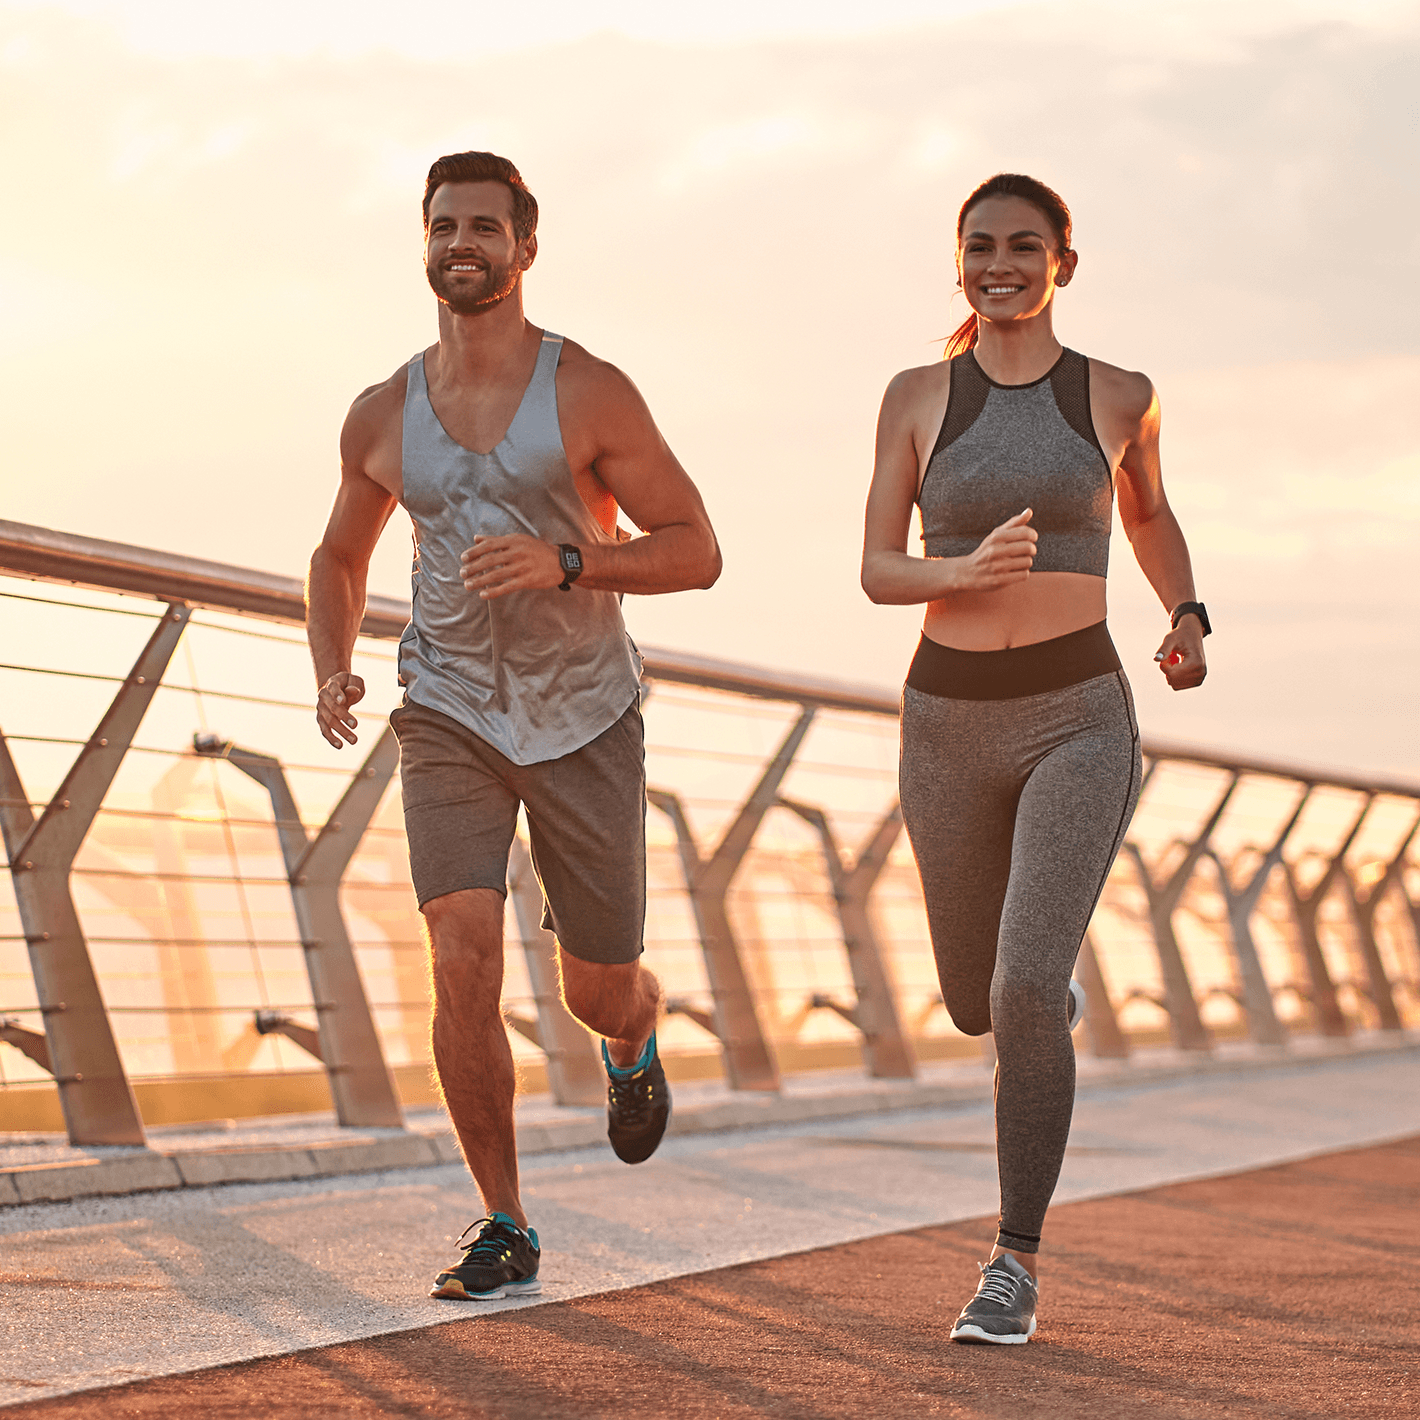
(210, 243)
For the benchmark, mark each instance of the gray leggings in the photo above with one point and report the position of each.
(1016, 808)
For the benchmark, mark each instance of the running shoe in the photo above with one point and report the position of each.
(638, 1104)
(1003, 1310)
(1077, 1004)
(501, 1261)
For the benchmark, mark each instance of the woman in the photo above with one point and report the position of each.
(1020, 751)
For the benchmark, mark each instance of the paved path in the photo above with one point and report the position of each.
(1282, 1294)
(108, 1290)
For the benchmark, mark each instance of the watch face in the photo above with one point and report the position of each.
(571, 559)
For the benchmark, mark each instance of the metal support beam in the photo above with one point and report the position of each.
(1102, 1031)
(1185, 1024)
(94, 1093)
(574, 1071)
(748, 1062)
(1331, 1020)
(1363, 905)
(1241, 901)
(360, 1082)
(274, 1023)
(26, 1041)
(886, 1048)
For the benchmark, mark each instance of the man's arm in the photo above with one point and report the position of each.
(1156, 537)
(608, 430)
(335, 587)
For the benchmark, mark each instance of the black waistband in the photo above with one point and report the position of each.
(1018, 670)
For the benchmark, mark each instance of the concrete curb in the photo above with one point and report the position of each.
(110, 1171)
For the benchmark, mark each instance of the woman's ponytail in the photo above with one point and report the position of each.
(961, 339)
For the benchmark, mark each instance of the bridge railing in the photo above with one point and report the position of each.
(211, 911)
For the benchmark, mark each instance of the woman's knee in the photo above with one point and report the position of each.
(970, 1011)
(1029, 1000)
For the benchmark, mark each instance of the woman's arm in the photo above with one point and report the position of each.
(1153, 531)
(890, 574)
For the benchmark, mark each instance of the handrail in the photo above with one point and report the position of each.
(47, 555)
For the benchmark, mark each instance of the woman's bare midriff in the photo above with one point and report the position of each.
(1045, 605)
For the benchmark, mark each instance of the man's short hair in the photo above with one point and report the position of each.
(485, 167)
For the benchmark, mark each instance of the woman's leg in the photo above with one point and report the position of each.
(1070, 821)
(959, 811)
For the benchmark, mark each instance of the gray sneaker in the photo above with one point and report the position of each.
(1077, 1004)
(1003, 1309)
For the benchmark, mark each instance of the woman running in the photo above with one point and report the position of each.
(1020, 752)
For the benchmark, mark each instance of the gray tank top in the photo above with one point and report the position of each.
(536, 674)
(1005, 448)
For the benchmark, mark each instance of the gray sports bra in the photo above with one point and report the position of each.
(1005, 448)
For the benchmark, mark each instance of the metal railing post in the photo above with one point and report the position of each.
(1305, 907)
(94, 1093)
(1185, 1024)
(885, 1044)
(748, 1061)
(1263, 1024)
(1101, 1024)
(574, 1071)
(1363, 917)
(361, 1086)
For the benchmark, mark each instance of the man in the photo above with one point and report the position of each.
(512, 449)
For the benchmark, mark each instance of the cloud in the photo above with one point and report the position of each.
(761, 235)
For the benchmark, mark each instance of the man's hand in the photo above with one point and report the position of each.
(333, 703)
(1004, 556)
(1180, 655)
(495, 566)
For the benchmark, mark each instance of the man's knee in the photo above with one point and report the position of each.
(602, 995)
(466, 947)
(472, 918)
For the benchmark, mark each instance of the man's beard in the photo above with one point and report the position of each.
(499, 282)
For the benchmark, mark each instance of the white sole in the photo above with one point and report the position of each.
(508, 1289)
(972, 1332)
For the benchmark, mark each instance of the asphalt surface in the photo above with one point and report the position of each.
(840, 1284)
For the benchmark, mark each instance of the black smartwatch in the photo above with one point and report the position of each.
(571, 559)
(1191, 608)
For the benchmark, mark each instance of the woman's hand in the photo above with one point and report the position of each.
(1180, 656)
(1005, 556)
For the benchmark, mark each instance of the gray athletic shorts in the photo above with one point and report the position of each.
(586, 821)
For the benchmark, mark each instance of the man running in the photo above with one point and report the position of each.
(511, 449)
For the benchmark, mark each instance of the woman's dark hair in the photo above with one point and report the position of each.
(485, 167)
(1052, 206)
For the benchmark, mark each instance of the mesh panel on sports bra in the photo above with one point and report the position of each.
(1070, 383)
(967, 399)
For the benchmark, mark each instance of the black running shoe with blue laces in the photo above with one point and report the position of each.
(501, 1261)
(638, 1105)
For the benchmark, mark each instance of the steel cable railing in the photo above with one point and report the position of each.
(1254, 899)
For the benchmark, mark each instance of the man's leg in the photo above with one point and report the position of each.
(618, 1001)
(472, 1058)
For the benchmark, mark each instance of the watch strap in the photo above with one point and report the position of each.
(1191, 608)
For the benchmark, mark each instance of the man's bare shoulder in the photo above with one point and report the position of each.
(1128, 394)
(584, 375)
(371, 415)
